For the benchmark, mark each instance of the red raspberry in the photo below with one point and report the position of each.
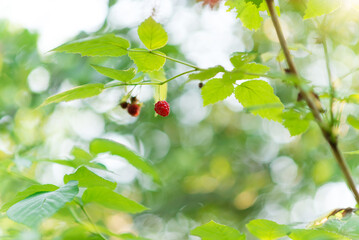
(134, 109)
(162, 108)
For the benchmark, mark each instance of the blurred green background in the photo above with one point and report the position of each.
(216, 163)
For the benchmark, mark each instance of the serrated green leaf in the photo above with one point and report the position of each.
(215, 90)
(152, 34)
(215, 231)
(32, 210)
(348, 227)
(146, 61)
(267, 230)
(112, 200)
(81, 154)
(317, 8)
(28, 192)
(259, 98)
(353, 121)
(206, 74)
(238, 59)
(107, 45)
(104, 145)
(160, 90)
(247, 12)
(295, 122)
(80, 92)
(121, 75)
(255, 2)
(87, 178)
(314, 234)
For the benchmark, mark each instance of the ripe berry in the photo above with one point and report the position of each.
(124, 105)
(162, 108)
(134, 109)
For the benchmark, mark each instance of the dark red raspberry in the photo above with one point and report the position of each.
(124, 105)
(162, 108)
(134, 109)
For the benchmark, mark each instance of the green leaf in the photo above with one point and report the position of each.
(215, 231)
(87, 178)
(316, 8)
(152, 34)
(353, 121)
(160, 90)
(206, 73)
(107, 45)
(112, 200)
(238, 59)
(295, 122)
(314, 234)
(121, 75)
(32, 210)
(84, 91)
(247, 12)
(253, 68)
(81, 154)
(258, 97)
(104, 145)
(255, 2)
(28, 192)
(267, 230)
(147, 61)
(215, 90)
(352, 152)
(348, 227)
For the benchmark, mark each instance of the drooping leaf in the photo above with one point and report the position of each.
(146, 61)
(316, 8)
(152, 34)
(81, 154)
(107, 45)
(28, 192)
(267, 230)
(216, 89)
(295, 122)
(247, 12)
(160, 90)
(121, 75)
(238, 59)
(80, 92)
(215, 231)
(314, 234)
(87, 178)
(258, 97)
(206, 74)
(32, 210)
(353, 121)
(112, 200)
(104, 145)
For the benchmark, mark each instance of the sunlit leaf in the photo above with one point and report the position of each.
(215, 90)
(84, 91)
(295, 122)
(238, 59)
(152, 34)
(316, 8)
(87, 178)
(110, 199)
(146, 61)
(215, 231)
(353, 121)
(121, 75)
(32, 210)
(104, 145)
(314, 234)
(107, 45)
(206, 73)
(267, 230)
(247, 12)
(259, 98)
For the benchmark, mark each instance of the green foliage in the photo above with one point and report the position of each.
(147, 61)
(87, 178)
(160, 90)
(353, 121)
(217, 89)
(152, 34)
(258, 97)
(247, 12)
(121, 75)
(316, 8)
(111, 199)
(84, 91)
(267, 230)
(215, 231)
(348, 226)
(103, 145)
(295, 122)
(107, 45)
(33, 209)
(314, 234)
(205, 74)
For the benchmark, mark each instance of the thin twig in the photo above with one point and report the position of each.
(330, 79)
(327, 132)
